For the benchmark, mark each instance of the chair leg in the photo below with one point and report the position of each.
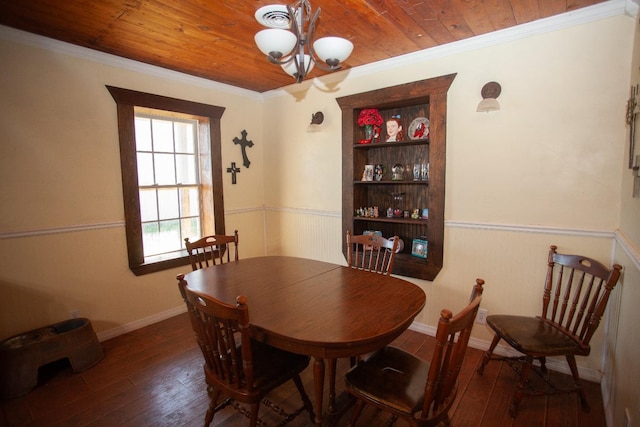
(571, 360)
(519, 393)
(213, 402)
(253, 415)
(305, 399)
(488, 354)
(543, 365)
(357, 410)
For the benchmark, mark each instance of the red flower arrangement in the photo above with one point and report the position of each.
(370, 116)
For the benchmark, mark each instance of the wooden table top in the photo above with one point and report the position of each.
(316, 308)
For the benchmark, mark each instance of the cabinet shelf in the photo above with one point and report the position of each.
(391, 220)
(390, 144)
(389, 182)
(425, 98)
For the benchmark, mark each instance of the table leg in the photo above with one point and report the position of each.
(332, 386)
(318, 381)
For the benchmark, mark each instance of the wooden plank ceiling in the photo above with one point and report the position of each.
(213, 39)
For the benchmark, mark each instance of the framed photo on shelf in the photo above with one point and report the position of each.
(419, 248)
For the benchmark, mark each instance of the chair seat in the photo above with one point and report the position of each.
(392, 377)
(271, 366)
(274, 366)
(533, 336)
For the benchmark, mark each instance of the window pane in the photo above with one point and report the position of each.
(161, 238)
(150, 233)
(145, 169)
(185, 137)
(168, 203)
(148, 205)
(191, 228)
(162, 135)
(143, 134)
(186, 169)
(165, 169)
(189, 202)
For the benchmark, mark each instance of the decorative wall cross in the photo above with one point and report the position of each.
(233, 170)
(244, 143)
(636, 178)
(632, 115)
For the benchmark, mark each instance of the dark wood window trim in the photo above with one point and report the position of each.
(126, 100)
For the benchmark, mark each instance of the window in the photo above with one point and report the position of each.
(168, 181)
(171, 176)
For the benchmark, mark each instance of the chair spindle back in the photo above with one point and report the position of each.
(212, 250)
(576, 292)
(217, 327)
(371, 253)
(452, 340)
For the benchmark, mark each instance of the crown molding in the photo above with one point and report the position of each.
(580, 16)
(41, 42)
(584, 15)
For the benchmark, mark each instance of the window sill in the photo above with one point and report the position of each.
(155, 265)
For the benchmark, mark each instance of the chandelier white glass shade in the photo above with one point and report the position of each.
(294, 48)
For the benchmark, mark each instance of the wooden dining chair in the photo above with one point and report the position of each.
(371, 253)
(576, 291)
(417, 391)
(212, 250)
(236, 366)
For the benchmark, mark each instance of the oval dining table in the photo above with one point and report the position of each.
(323, 310)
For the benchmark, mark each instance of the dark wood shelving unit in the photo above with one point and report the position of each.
(425, 98)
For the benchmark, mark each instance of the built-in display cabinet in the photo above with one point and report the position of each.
(399, 202)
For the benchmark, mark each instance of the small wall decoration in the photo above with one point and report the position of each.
(233, 170)
(630, 119)
(244, 143)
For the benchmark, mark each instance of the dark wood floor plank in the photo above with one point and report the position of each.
(154, 376)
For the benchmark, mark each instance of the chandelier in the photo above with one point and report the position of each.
(288, 44)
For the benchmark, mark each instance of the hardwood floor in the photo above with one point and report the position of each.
(153, 376)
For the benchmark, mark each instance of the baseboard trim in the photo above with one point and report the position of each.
(141, 323)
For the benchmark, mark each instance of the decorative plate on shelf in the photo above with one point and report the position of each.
(419, 128)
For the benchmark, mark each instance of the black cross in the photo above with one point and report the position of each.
(233, 170)
(244, 143)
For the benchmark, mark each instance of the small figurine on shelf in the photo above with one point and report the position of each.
(395, 131)
(397, 172)
(367, 173)
(378, 172)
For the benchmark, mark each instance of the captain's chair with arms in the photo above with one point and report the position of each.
(575, 296)
(212, 250)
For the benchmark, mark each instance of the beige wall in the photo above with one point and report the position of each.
(622, 366)
(545, 169)
(61, 217)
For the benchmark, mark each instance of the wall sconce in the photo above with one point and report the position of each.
(489, 92)
(317, 118)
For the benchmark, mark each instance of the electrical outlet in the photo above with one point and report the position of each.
(74, 314)
(481, 317)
